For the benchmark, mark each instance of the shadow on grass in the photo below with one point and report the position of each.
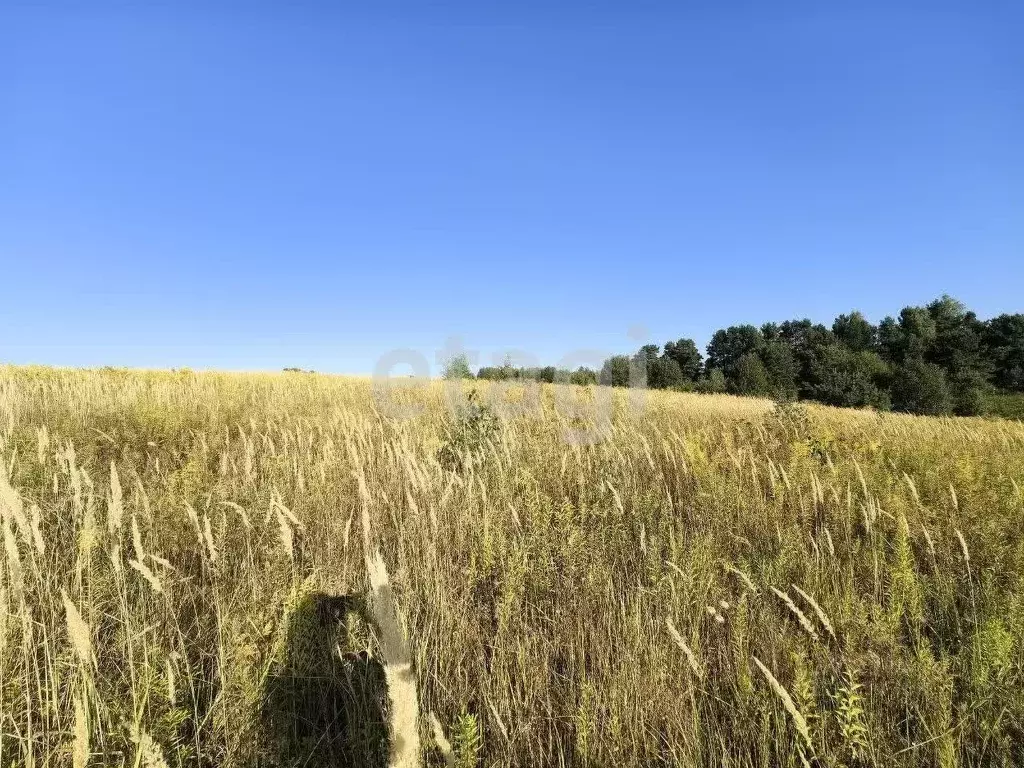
(326, 704)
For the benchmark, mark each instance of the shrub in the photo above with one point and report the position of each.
(457, 367)
(468, 434)
(751, 377)
(714, 384)
(920, 387)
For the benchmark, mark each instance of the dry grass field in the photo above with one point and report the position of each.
(191, 578)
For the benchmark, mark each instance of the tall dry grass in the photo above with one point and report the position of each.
(717, 583)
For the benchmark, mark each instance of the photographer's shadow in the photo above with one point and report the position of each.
(323, 704)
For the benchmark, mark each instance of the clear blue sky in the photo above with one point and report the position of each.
(251, 187)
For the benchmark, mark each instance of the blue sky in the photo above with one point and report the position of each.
(252, 187)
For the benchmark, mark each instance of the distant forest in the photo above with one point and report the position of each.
(937, 359)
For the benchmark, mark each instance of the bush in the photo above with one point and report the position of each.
(615, 371)
(850, 379)
(457, 367)
(664, 373)
(920, 387)
(714, 384)
(751, 377)
(467, 436)
(583, 377)
(1007, 405)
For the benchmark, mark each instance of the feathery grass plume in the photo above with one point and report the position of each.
(347, 530)
(967, 567)
(172, 690)
(831, 545)
(804, 621)
(142, 496)
(928, 540)
(687, 652)
(148, 753)
(867, 516)
(963, 547)
(814, 547)
(35, 521)
(742, 577)
(208, 538)
(818, 610)
(78, 631)
(11, 502)
(88, 531)
(618, 499)
(283, 510)
(115, 504)
(194, 517)
(80, 745)
(913, 488)
(147, 574)
(241, 512)
(863, 482)
(140, 553)
(13, 559)
(285, 533)
(785, 478)
(787, 702)
(42, 443)
(5, 612)
(675, 568)
(497, 719)
(162, 562)
(414, 509)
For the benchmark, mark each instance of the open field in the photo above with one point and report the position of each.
(718, 583)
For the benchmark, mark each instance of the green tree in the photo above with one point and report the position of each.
(807, 340)
(583, 376)
(781, 369)
(846, 378)
(969, 392)
(958, 347)
(750, 377)
(649, 351)
(946, 335)
(664, 373)
(958, 344)
(920, 387)
(615, 371)
(491, 373)
(1004, 347)
(457, 367)
(855, 331)
(686, 356)
(918, 327)
(891, 343)
(714, 383)
(731, 345)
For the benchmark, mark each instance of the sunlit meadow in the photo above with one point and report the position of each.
(208, 569)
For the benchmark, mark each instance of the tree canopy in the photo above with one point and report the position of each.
(933, 359)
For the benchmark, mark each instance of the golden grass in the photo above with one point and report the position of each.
(548, 602)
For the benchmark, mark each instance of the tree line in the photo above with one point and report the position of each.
(548, 374)
(936, 359)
